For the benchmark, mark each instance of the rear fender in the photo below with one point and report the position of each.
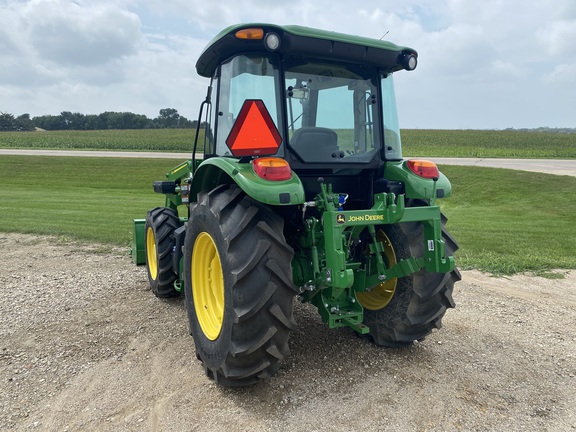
(415, 186)
(216, 171)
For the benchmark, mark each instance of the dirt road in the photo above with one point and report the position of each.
(85, 346)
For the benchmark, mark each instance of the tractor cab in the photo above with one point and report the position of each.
(330, 98)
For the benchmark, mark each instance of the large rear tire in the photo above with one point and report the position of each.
(159, 244)
(238, 286)
(412, 306)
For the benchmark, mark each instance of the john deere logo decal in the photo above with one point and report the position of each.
(340, 219)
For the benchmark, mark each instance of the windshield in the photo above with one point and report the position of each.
(331, 111)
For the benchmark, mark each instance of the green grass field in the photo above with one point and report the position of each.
(488, 144)
(510, 221)
(78, 198)
(505, 221)
(439, 143)
(169, 140)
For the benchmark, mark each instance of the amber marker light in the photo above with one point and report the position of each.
(272, 168)
(250, 34)
(424, 168)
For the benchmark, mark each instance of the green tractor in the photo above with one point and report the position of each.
(301, 191)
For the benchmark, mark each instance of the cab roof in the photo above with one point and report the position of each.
(304, 42)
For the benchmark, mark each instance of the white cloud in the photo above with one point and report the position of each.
(65, 32)
(205, 14)
(7, 45)
(53, 41)
(461, 49)
(558, 37)
(563, 75)
(501, 69)
(483, 63)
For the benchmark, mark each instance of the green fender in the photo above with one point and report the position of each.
(415, 186)
(219, 170)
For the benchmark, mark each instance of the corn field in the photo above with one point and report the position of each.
(416, 143)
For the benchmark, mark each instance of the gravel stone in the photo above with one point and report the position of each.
(84, 345)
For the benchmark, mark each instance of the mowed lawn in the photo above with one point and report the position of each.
(505, 221)
(509, 221)
(92, 199)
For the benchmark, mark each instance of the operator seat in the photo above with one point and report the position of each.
(315, 144)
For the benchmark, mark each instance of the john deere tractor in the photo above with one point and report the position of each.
(296, 188)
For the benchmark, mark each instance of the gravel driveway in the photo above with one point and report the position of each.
(85, 346)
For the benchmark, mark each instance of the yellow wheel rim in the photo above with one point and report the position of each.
(382, 293)
(151, 255)
(207, 285)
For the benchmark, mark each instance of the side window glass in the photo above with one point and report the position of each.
(392, 143)
(244, 78)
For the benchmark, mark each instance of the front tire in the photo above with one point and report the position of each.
(238, 286)
(416, 303)
(159, 244)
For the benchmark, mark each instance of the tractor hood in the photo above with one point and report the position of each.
(306, 42)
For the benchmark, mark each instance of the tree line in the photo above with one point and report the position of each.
(66, 120)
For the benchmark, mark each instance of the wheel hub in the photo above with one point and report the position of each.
(382, 293)
(207, 285)
(151, 256)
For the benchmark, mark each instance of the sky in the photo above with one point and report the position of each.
(483, 64)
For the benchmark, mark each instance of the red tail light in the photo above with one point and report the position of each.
(424, 168)
(272, 168)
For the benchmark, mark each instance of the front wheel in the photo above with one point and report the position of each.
(238, 286)
(159, 244)
(407, 309)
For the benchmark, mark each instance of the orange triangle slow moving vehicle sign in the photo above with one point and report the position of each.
(254, 132)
